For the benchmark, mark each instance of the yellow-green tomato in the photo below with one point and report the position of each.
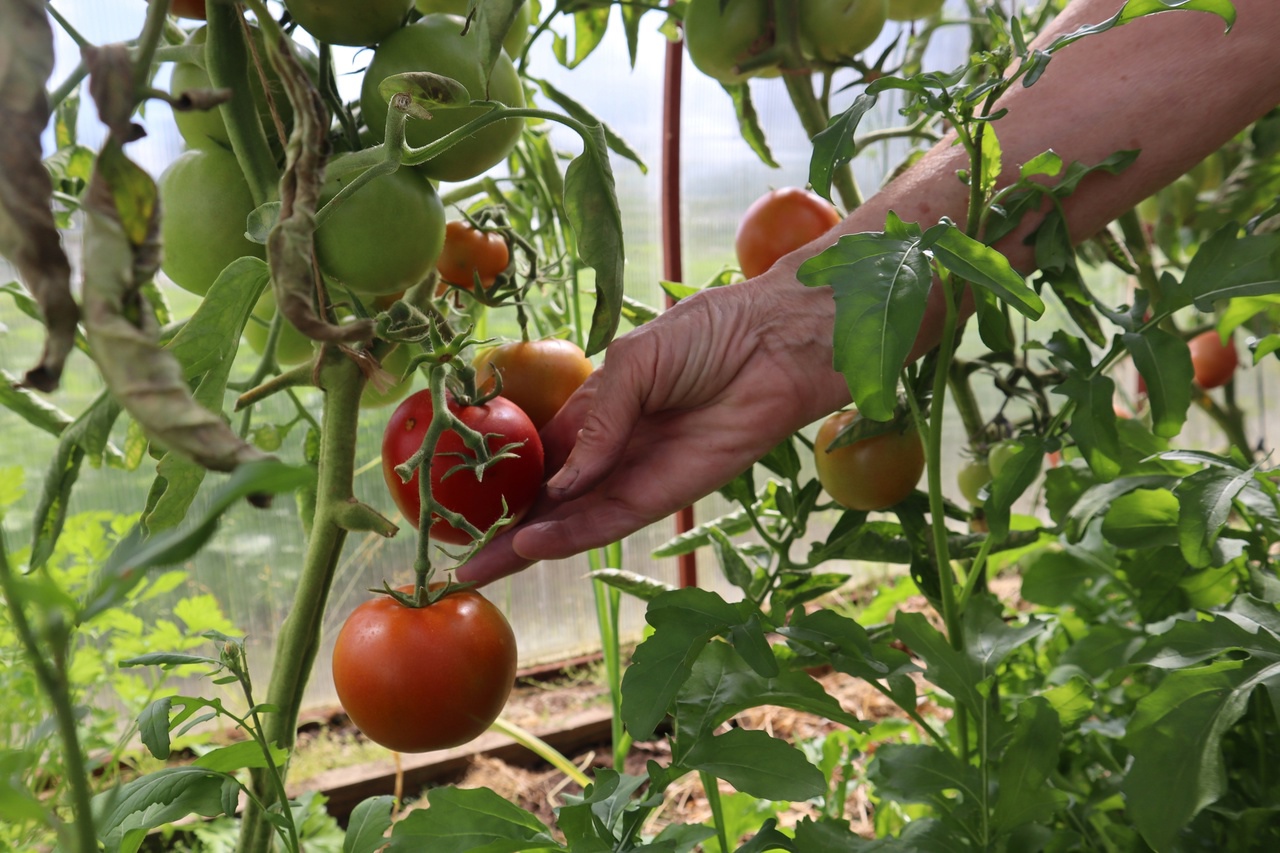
(513, 44)
(835, 30)
(348, 22)
(395, 363)
(972, 478)
(999, 454)
(436, 44)
(720, 39)
(204, 202)
(911, 10)
(386, 236)
(292, 347)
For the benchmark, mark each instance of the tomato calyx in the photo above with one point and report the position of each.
(424, 592)
(860, 428)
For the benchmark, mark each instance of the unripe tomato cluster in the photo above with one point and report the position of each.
(733, 41)
(389, 234)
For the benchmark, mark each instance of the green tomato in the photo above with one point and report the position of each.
(345, 22)
(204, 202)
(1000, 453)
(292, 347)
(971, 479)
(386, 237)
(719, 40)
(436, 44)
(911, 10)
(836, 30)
(396, 363)
(513, 44)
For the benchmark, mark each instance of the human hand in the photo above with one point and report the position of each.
(680, 407)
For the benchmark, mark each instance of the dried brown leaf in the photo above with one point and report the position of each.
(28, 236)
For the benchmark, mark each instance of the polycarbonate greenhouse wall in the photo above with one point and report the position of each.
(252, 563)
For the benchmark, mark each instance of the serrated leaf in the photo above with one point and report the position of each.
(881, 285)
(1164, 362)
(833, 147)
(469, 821)
(757, 764)
(979, 264)
(591, 205)
(749, 122)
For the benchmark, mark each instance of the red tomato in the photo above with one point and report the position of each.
(470, 252)
(1214, 361)
(538, 376)
(515, 479)
(424, 678)
(872, 474)
(779, 222)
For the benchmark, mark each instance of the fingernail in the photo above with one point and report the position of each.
(563, 480)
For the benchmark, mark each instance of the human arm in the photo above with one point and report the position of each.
(688, 401)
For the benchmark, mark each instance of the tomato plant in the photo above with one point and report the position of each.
(833, 30)
(436, 44)
(386, 236)
(971, 478)
(1214, 362)
(343, 22)
(871, 474)
(470, 253)
(538, 376)
(513, 43)
(779, 222)
(721, 36)
(199, 240)
(416, 679)
(479, 500)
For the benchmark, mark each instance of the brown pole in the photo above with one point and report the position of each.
(672, 263)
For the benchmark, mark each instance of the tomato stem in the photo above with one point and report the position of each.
(299, 638)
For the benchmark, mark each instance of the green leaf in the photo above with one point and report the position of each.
(245, 755)
(881, 286)
(951, 670)
(915, 773)
(721, 685)
(642, 587)
(1054, 577)
(757, 764)
(1031, 756)
(1205, 500)
(1176, 740)
(469, 821)
(155, 799)
(749, 122)
(731, 524)
(1228, 265)
(1094, 424)
(979, 264)
(1142, 518)
(683, 621)
(834, 145)
(1017, 475)
(1164, 362)
(591, 205)
(31, 407)
(368, 825)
